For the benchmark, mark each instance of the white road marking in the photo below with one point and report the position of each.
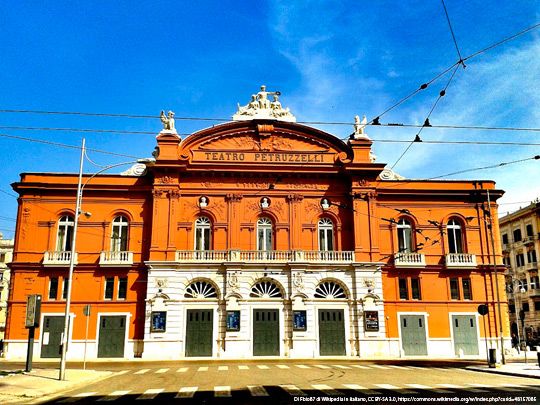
(78, 396)
(186, 392)
(263, 367)
(223, 368)
(472, 387)
(379, 367)
(359, 366)
(113, 396)
(182, 370)
(426, 387)
(397, 367)
(302, 366)
(121, 372)
(243, 368)
(394, 388)
(150, 394)
(222, 391)
(450, 386)
(162, 370)
(282, 366)
(143, 371)
(321, 366)
(258, 391)
(293, 390)
(202, 369)
(360, 388)
(343, 367)
(326, 389)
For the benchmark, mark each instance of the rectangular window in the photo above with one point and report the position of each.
(467, 292)
(537, 305)
(122, 288)
(415, 289)
(2, 257)
(53, 288)
(517, 235)
(525, 307)
(505, 238)
(535, 282)
(520, 260)
(109, 288)
(454, 288)
(65, 288)
(523, 284)
(531, 256)
(403, 290)
(530, 230)
(512, 309)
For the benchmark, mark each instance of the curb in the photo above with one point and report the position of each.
(502, 372)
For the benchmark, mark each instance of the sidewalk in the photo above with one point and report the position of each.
(519, 369)
(39, 384)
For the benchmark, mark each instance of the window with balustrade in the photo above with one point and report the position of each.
(119, 234)
(64, 237)
(455, 236)
(203, 232)
(326, 234)
(405, 236)
(264, 234)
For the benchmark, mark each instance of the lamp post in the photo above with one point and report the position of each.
(78, 201)
(520, 315)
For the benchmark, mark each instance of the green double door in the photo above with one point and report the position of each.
(331, 332)
(465, 334)
(199, 328)
(112, 336)
(413, 335)
(265, 332)
(53, 327)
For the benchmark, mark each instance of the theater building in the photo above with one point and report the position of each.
(259, 237)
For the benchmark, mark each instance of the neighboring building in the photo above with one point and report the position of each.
(259, 237)
(6, 253)
(520, 238)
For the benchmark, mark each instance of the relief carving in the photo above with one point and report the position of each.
(165, 180)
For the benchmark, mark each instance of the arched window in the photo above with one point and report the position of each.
(119, 235)
(266, 289)
(200, 289)
(65, 233)
(202, 233)
(326, 234)
(405, 239)
(264, 234)
(329, 290)
(455, 236)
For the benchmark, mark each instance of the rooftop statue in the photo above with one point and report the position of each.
(359, 127)
(260, 107)
(168, 121)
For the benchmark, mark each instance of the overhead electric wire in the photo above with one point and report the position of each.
(63, 145)
(442, 93)
(452, 32)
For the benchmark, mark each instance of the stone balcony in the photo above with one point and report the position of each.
(264, 256)
(58, 258)
(406, 259)
(115, 259)
(460, 260)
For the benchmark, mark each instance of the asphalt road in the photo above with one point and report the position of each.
(287, 382)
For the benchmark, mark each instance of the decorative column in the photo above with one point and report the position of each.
(294, 201)
(233, 201)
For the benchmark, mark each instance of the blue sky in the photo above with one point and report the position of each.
(330, 60)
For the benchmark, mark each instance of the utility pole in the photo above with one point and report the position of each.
(496, 278)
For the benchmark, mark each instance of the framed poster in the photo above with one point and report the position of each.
(233, 321)
(158, 321)
(299, 321)
(371, 321)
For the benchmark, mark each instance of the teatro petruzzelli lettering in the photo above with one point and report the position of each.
(306, 157)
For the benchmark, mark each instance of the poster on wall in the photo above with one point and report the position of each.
(159, 321)
(299, 321)
(371, 321)
(233, 321)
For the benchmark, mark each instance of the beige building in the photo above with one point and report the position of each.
(6, 253)
(520, 234)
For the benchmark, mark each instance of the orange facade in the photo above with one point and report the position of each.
(260, 203)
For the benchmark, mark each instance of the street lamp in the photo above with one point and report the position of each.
(80, 187)
(520, 315)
